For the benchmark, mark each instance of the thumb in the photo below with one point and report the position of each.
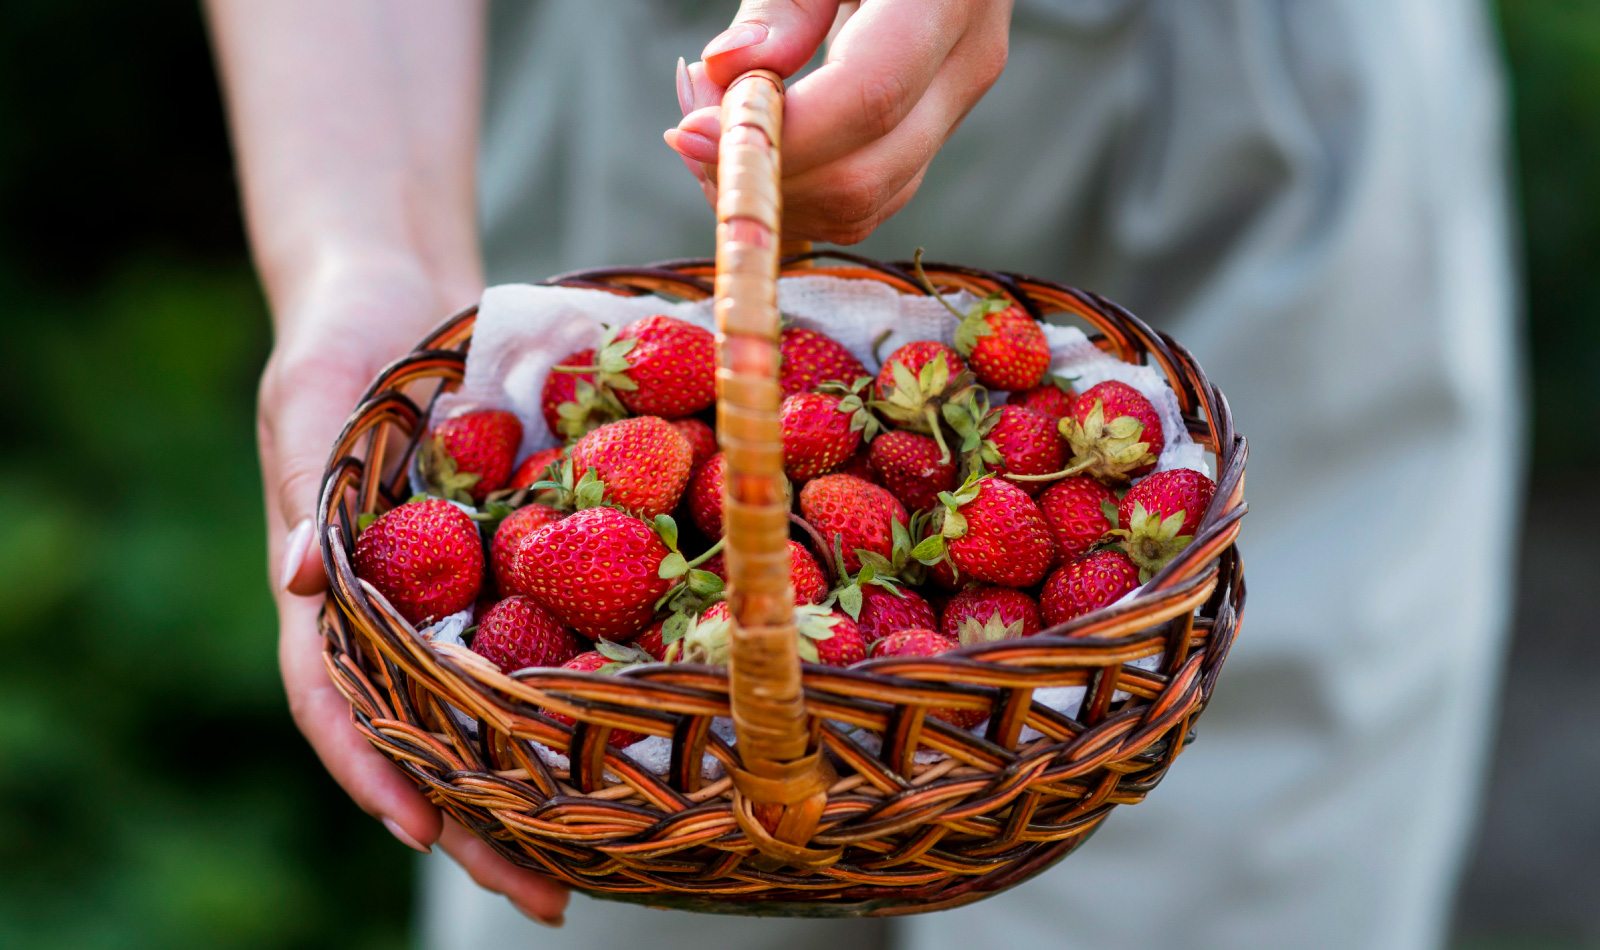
(780, 35)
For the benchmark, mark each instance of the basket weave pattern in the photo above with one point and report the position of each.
(884, 833)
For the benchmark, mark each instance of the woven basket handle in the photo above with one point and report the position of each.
(780, 792)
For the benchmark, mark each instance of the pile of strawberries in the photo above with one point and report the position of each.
(925, 518)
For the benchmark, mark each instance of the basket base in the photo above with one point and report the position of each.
(885, 902)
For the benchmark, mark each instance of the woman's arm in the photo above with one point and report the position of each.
(355, 126)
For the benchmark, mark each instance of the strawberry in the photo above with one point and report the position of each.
(644, 463)
(1078, 509)
(704, 496)
(860, 465)
(810, 586)
(811, 359)
(572, 403)
(1053, 397)
(1086, 583)
(913, 358)
(599, 571)
(925, 642)
(991, 531)
(983, 613)
(651, 641)
(425, 557)
(829, 637)
(535, 467)
(607, 658)
(1158, 517)
(1003, 344)
(1026, 443)
(885, 610)
(470, 455)
(916, 382)
(517, 633)
(702, 440)
(859, 514)
(1114, 433)
(818, 434)
(659, 366)
(909, 465)
(516, 526)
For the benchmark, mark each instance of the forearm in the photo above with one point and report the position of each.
(355, 126)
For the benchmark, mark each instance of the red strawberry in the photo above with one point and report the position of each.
(517, 633)
(470, 455)
(913, 357)
(884, 611)
(717, 611)
(858, 513)
(1003, 345)
(909, 466)
(516, 526)
(1085, 584)
(596, 662)
(832, 637)
(597, 570)
(810, 586)
(1113, 433)
(1158, 516)
(817, 435)
(425, 557)
(651, 641)
(1027, 444)
(981, 614)
(660, 366)
(1076, 509)
(643, 461)
(924, 642)
(1050, 398)
(572, 403)
(811, 359)
(991, 531)
(704, 496)
(860, 465)
(701, 439)
(534, 467)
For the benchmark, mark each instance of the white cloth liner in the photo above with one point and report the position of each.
(523, 330)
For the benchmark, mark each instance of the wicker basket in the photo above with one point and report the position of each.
(807, 821)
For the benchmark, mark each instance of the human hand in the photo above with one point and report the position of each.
(333, 337)
(860, 131)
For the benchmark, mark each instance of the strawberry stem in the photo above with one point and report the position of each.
(916, 262)
(711, 552)
(932, 416)
(1069, 470)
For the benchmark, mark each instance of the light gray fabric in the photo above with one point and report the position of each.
(1309, 194)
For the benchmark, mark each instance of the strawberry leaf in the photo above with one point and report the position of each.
(850, 601)
(673, 565)
(667, 530)
(929, 550)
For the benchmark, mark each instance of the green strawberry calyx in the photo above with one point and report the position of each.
(857, 405)
(949, 522)
(1110, 451)
(621, 655)
(886, 572)
(1150, 540)
(610, 367)
(567, 494)
(438, 469)
(972, 631)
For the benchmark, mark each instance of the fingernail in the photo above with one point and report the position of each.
(738, 36)
(554, 923)
(702, 91)
(405, 839)
(691, 145)
(706, 122)
(685, 88)
(294, 551)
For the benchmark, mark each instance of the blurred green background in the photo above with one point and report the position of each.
(153, 791)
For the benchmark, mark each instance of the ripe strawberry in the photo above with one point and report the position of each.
(516, 526)
(1076, 508)
(860, 465)
(810, 586)
(1053, 397)
(644, 463)
(425, 557)
(1027, 444)
(817, 435)
(597, 661)
(1086, 583)
(913, 358)
(909, 466)
(915, 384)
(1003, 344)
(885, 610)
(829, 637)
(811, 359)
(651, 641)
(572, 403)
(991, 531)
(925, 642)
(660, 366)
(982, 614)
(470, 455)
(1158, 516)
(535, 467)
(517, 633)
(859, 514)
(1114, 433)
(704, 496)
(701, 440)
(598, 571)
